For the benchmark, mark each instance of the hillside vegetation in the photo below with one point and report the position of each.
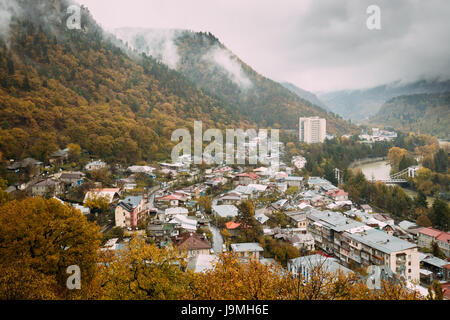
(60, 86)
(422, 113)
(361, 104)
(203, 59)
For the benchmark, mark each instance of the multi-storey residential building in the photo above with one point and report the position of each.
(429, 235)
(377, 247)
(130, 211)
(355, 243)
(312, 130)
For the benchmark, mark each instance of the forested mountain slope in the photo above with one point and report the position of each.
(60, 86)
(202, 58)
(304, 94)
(363, 103)
(421, 113)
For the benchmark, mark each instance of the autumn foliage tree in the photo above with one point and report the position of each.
(97, 205)
(232, 280)
(143, 271)
(250, 230)
(235, 279)
(395, 156)
(205, 203)
(39, 239)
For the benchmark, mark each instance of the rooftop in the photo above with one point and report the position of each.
(382, 241)
(131, 201)
(434, 261)
(246, 247)
(176, 210)
(191, 241)
(232, 225)
(261, 218)
(334, 220)
(202, 262)
(434, 233)
(250, 175)
(292, 178)
(318, 180)
(226, 210)
(317, 260)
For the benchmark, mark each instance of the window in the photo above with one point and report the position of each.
(409, 270)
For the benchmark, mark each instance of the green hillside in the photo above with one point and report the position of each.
(422, 113)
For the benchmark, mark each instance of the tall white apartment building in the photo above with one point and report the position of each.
(312, 130)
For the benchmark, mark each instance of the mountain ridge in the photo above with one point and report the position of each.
(60, 86)
(423, 113)
(307, 95)
(203, 59)
(360, 104)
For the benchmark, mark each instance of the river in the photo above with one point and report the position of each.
(379, 170)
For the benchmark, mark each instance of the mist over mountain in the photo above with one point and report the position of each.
(304, 94)
(360, 104)
(203, 59)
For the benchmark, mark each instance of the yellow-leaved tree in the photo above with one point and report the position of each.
(39, 240)
(145, 272)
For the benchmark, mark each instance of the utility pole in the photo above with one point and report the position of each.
(337, 175)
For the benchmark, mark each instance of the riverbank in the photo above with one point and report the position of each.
(359, 162)
(374, 169)
(380, 170)
(413, 194)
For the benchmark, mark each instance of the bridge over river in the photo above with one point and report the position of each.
(400, 177)
(380, 171)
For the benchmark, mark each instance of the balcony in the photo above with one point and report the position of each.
(365, 256)
(355, 257)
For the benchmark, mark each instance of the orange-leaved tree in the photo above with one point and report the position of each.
(39, 240)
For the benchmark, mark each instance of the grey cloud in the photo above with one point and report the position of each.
(319, 45)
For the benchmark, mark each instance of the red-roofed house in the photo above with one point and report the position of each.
(247, 178)
(223, 170)
(338, 195)
(233, 227)
(172, 199)
(429, 235)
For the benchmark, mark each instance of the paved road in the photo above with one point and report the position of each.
(217, 239)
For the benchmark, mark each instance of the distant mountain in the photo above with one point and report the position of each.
(361, 104)
(217, 71)
(304, 94)
(420, 113)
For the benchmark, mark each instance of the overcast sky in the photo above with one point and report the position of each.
(319, 45)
